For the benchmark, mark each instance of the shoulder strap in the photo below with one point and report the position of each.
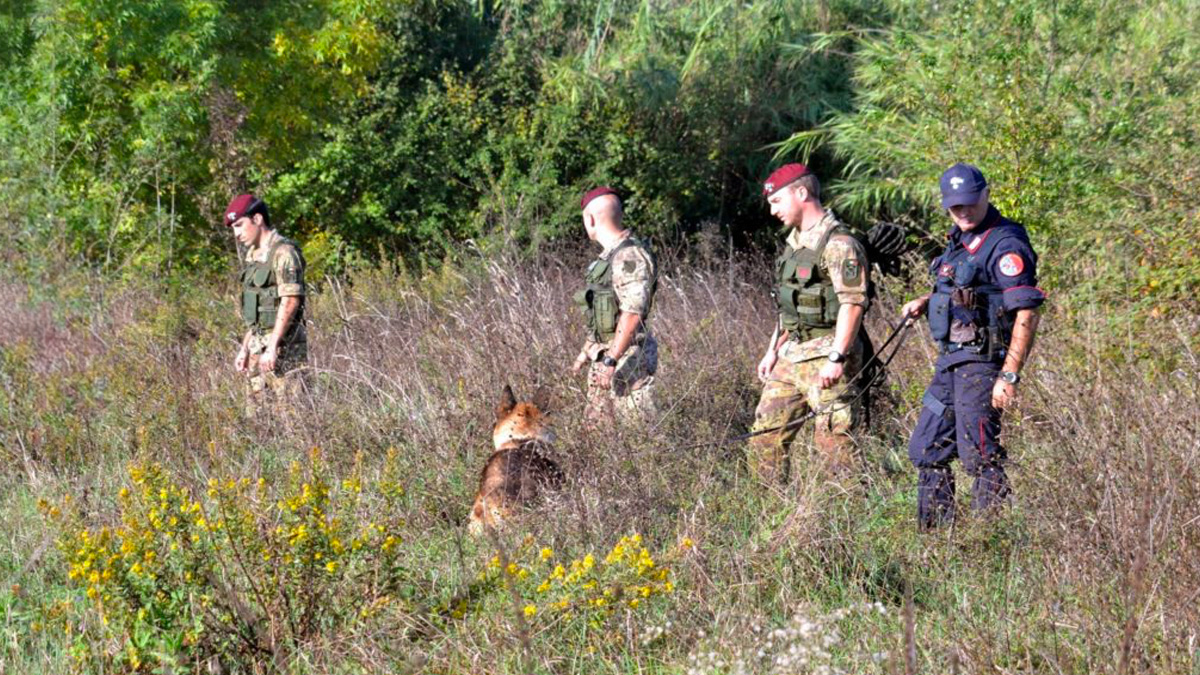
(836, 229)
(280, 241)
(625, 243)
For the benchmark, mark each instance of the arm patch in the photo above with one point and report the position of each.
(851, 272)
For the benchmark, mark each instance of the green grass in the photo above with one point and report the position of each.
(819, 572)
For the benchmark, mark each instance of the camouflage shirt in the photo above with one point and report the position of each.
(633, 274)
(844, 263)
(288, 265)
(632, 278)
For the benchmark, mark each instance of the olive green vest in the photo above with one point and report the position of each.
(598, 300)
(260, 297)
(808, 305)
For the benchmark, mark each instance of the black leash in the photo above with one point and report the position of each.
(900, 333)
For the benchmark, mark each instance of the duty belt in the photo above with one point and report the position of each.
(980, 345)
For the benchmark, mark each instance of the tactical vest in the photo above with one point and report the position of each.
(808, 304)
(598, 300)
(260, 296)
(966, 309)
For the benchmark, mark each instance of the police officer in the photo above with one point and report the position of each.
(816, 349)
(275, 346)
(983, 315)
(621, 353)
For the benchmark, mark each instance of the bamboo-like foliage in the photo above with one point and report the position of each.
(1082, 115)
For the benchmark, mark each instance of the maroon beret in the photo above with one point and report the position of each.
(594, 193)
(241, 206)
(783, 177)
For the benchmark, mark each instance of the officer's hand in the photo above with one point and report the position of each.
(604, 376)
(578, 365)
(266, 362)
(830, 373)
(766, 366)
(915, 308)
(1003, 393)
(242, 360)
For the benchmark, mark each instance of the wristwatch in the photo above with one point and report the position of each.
(1011, 378)
(836, 357)
(608, 361)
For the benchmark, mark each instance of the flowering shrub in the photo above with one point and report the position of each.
(587, 587)
(236, 569)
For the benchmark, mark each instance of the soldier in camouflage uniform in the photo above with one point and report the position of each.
(616, 302)
(817, 348)
(274, 350)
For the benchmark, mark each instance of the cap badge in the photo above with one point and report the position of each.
(231, 215)
(770, 187)
(956, 182)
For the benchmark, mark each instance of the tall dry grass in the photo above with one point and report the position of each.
(1092, 569)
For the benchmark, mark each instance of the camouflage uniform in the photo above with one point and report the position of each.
(634, 274)
(793, 387)
(283, 272)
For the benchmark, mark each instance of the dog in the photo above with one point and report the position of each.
(521, 470)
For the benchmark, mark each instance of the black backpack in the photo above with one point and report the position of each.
(885, 243)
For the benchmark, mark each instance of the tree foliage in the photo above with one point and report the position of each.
(1083, 116)
(127, 122)
(385, 129)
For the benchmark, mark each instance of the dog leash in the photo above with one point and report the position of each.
(901, 333)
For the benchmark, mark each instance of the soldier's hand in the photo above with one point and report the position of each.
(1003, 393)
(604, 376)
(915, 308)
(766, 365)
(830, 374)
(242, 360)
(266, 362)
(578, 365)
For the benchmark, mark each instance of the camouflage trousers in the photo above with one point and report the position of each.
(792, 391)
(631, 396)
(279, 393)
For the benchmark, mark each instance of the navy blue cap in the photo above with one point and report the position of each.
(962, 184)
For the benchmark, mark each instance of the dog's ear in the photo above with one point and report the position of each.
(541, 398)
(508, 401)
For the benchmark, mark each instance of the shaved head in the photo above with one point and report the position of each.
(605, 209)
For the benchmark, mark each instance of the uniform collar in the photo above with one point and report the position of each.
(252, 254)
(973, 239)
(809, 239)
(608, 250)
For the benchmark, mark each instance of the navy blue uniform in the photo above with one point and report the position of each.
(980, 281)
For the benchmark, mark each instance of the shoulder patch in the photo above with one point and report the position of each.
(1011, 264)
(629, 266)
(851, 272)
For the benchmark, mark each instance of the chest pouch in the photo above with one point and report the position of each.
(964, 273)
(249, 306)
(810, 300)
(583, 299)
(599, 302)
(606, 309)
(939, 316)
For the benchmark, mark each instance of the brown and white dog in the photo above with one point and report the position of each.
(520, 470)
